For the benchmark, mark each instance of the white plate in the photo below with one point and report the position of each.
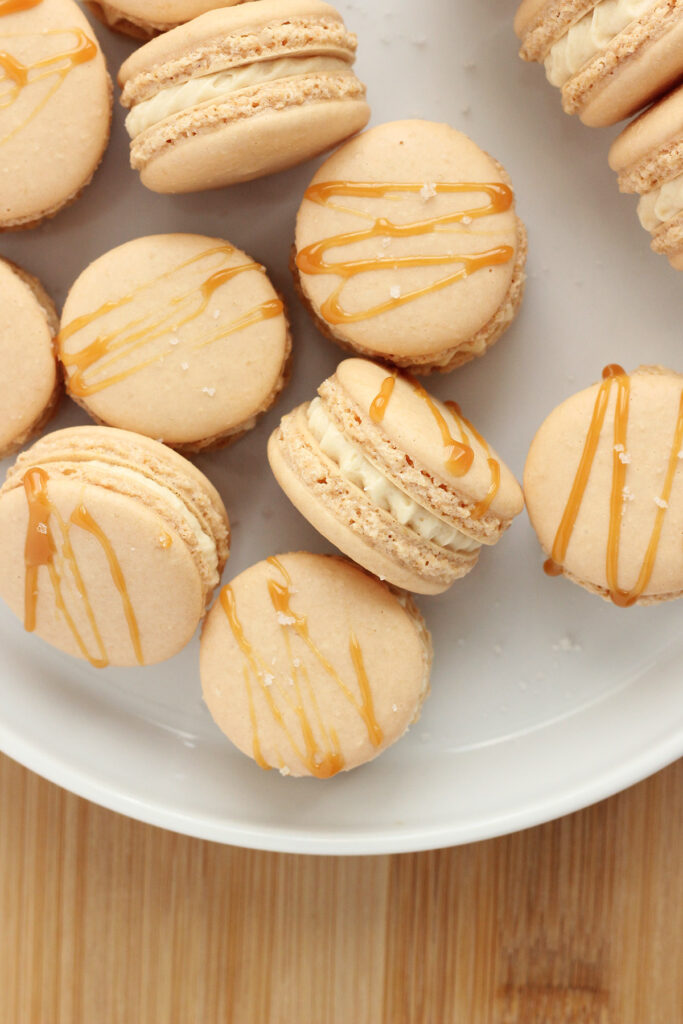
(544, 698)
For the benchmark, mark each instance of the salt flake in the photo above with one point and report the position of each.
(428, 191)
(285, 620)
(395, 291)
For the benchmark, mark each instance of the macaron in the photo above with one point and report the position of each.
(144, 19)
(312, 667)
(648, 158)
(604, 486)
(111, 545)
(408, 247)
(241, 92)
(30, 383)
(55, 108)
(399, 481)
(179, 337)
(609, 57)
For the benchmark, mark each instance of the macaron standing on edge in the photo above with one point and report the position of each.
(396, 479)
(648, 158)
(604, 486)
(144, 19)
(241, 92)
(55, 109)
(408, 247)
(180, 337)
(31, 382)
(111, 545)
(610, 58)
(311, 666)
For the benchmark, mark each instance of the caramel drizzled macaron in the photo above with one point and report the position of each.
(180, 337)
(610, 58)
(110, 545)
(648, 158)
(30, 383)
(312, 667)
(398, 480)
(241, 92)
(604, 486)
(144, 19)
(55, 108)
(408, 247)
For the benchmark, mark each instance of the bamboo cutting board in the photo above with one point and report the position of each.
(107, 921)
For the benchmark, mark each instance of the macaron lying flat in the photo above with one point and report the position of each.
(30, 383)
(397, 480)
(55, 108)
(311, 666)
(408, 247)
(110, 545)
(241, 92)
(648, 158)
(609, 57)
(604, 486)
(180, 337)
(144, 19)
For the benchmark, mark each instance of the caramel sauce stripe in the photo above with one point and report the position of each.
(312, 258)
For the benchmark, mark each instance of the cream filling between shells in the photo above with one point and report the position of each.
(176, 98)
(591, 36)
(661, 205)
(381, 491)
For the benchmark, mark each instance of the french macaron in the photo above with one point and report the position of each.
(311, 666)
(396, 479)
(610, 58)
(31, 383)
(179, 337)
(55, 108)
(241, 92)
(408, 247)
(111, 545)
(144, 19)
(604, 486)
(648, 158)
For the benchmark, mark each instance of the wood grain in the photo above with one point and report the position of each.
(107, 921)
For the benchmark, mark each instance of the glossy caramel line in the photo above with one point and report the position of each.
(380, 402)
(368, 705)
(312, 258)
(621, 415)
(460, 454)
(15, 6)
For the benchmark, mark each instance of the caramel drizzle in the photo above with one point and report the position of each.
(15, 6)
(41, 550)
(322, 758)
(108, 349)
(20, 76)
(312, 258)
(614, 375)
(460, 455)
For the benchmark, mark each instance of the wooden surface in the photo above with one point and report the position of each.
(105, 920)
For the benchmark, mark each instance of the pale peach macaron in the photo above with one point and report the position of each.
(604, 486)
(144, 19)
(180, 337)
(398, 480)
(311, 666)
(408, 247)
(31, 383)
(110, 545)
(55, 108)
(648, 158)
(610, 58)
(241, 92)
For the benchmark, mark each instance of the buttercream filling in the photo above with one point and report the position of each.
(206, 88)
(661, 205)
(591, 36)
(381, 491)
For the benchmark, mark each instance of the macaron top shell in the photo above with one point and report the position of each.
(54, 121)
(180, 337)
(27, 353)
(604, 486)
(406, 240)
(424, 445)
(159, 15)
(311, 666)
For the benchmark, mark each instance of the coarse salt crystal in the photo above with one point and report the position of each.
(395, 291)
(174, 341)
(268, 679)
(184, 366)
(216, 314)
(285, 770)
(209, 391)
(619, 448)
(296, 662)
(428, 190)
(624, 458)
(285, 620)
(41, 527)
(627, 494)
(660, 503)
(467, 219)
